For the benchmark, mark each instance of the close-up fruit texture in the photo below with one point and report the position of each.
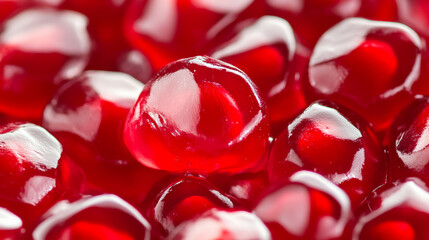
(214, 119)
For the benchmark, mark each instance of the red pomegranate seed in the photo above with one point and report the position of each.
(307, 207)
(167, 37)
(371, 71)
(91, 110)
(396, 212)
(382, 10)
(87, 116)
(335, 143)
(198, 115)
(29, 161)
(88, 231)
(311, 18)
(183, 199)
(39, 48)
(247, 187)
(98, 217)
(394, 230)
(9, 7)
(265, 51)
(136, 64)
(105, 27)
(92, 9)
(408, 144)
(415, 13)
(221, 224)
(10, 225)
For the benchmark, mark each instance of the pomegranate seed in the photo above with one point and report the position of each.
(183, 199)
(10, 225)
(198, 115)
(332, 141)
(311, 18)
(106, 32)
(307, 207)
(395, 213)
(221, 224)
(29, 161)
(167, 37)
(87, 116)
(271, 64)
(371, 71)
(408, 144)
(247, 187)
(39, 48)
(98, 217)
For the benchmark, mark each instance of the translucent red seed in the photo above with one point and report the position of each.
(29, 160)
(415, 14)
(168, 37)
(105, 27)
(39, 49)
(182, 199)
(372, 70)
(91, 110)
(87, 115)
(266, 52)
(10, 225)
(8, 8)
(98, 217)
(408, 143)
(311, 18)
(333, 142)
(395, 212)
(198, 115)
(247, 187)
(220, 224)
(307, 207)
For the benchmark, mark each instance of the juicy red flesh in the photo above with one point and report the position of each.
(409, 144)
(271, 62)
(39, 48)
(247, 187)
(221, 224)
(311, 18)
(415, 14)
(183, 199)
(29, 159)
(371, 72)
(198, 115)
(89, 230)
(92, 108)
(168, 37)
(106, 32)
(383, 10)
(96, 178)
(10, 225)
(307, 207)
(87, 115)
(98, 217)
(397, 212)
(9, 7)
(135, 64)
(328, 140)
